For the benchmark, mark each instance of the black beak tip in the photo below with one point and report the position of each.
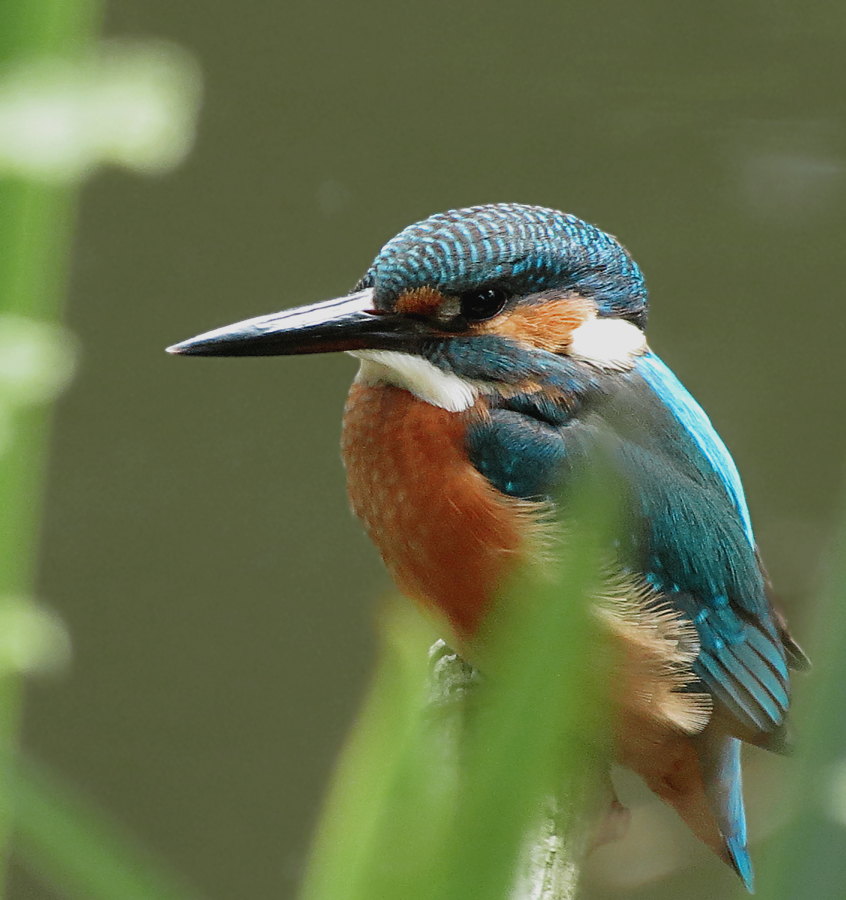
(183, 348)
(203, 345)
(178, 349)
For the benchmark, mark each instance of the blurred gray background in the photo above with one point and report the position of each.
(197, 538)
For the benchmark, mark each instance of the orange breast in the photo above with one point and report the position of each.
(446, 535)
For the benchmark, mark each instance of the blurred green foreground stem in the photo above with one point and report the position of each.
(451, 782)
(35, 230)
(807, 860)
(68, 104)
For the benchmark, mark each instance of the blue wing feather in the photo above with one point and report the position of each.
(697, 424)
(691, 536)
(519, 454)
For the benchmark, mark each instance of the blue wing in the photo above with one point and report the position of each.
(690, 533)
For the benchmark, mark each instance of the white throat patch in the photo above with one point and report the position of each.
(418, 376)
(608, 343)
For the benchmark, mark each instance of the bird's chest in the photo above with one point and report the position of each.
(446, 535)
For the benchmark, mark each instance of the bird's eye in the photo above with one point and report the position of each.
(483, 303)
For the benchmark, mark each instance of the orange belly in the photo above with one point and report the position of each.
(446, 535)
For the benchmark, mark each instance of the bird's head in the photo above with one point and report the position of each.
(465, 301)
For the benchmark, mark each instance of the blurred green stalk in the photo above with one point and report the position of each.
(70, 843)
(436, 801)
(35, 234)
(67, 106)
(808, 859)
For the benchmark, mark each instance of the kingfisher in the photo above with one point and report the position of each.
(503, 354)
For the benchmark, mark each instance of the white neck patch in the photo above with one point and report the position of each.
(418, 376)
(607, 343)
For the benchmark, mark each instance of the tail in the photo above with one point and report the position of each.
(700, 778)
(719, 762)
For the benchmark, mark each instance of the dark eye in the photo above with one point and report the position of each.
(483, 303)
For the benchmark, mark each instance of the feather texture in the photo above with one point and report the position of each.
(688, 534)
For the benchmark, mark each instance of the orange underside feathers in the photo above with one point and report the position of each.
(446, 535)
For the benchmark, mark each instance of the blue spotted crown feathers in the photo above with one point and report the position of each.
(524, 249)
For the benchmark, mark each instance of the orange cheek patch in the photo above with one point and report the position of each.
(548, 326)
(422, 301)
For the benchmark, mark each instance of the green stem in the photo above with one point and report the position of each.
(34, 243)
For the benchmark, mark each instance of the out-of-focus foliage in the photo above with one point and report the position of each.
(431, 804)
(63, 838)
(132, 105)
(67, 106)
(808, 859)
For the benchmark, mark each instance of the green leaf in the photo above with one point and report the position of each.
(435, 800)
(66, 840)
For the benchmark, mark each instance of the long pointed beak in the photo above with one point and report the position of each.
(347, 323)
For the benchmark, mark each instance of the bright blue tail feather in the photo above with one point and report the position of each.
(719, 761)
